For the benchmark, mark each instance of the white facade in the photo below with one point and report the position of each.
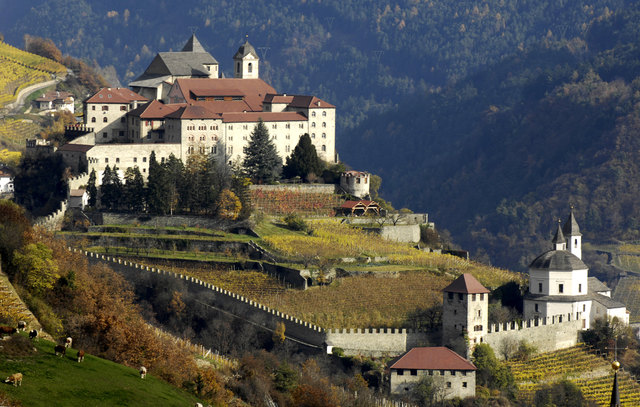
(448, 384)
(6, 183)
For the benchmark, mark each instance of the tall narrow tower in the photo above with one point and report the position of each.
(465, 314)
(245, 62)
(571, 231)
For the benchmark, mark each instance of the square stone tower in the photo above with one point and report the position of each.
(465, 314)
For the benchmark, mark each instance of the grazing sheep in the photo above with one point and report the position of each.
(7, 330)
(22, 326)
(68, 342)
(33, 334)
(60, 349)
(15, 378)
(143, 372)
(80, 355)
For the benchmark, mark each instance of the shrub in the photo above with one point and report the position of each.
(295, 222)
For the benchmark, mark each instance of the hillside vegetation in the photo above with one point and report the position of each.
(511, 147)
(400, 288)
(19, 69)
(51, 380)
(362, 57)
(592, 374)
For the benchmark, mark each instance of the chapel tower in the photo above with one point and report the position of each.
(571, 231)
(245, 62)
(465, 314)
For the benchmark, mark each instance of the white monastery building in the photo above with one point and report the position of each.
(559, 283)
(181, 106)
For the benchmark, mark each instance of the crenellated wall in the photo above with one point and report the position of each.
(379, 342)
(53, 222)
(546, 334)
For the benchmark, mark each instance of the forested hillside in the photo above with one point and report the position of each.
(362, 56)
(492, 116)
(501, 155)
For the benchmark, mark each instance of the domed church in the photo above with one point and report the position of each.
(560, 286)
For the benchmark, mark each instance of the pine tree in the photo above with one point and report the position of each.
(106, 196)
(157, 191)
(133, 189)
(92, 189)
(261, 161)
(304, 160)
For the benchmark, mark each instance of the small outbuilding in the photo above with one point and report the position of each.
(451, 374)
(360, 208)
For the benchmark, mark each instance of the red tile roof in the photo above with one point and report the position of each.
(115, 95)
(193, 112)
(466, 284)
(155, 110)
(253, 117)
(53, 95)
(434, 358)
(309, 102)
(253, 91)
(353, 204)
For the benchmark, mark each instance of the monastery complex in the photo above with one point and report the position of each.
(180, 105)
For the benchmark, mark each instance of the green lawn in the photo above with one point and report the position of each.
(51, 380)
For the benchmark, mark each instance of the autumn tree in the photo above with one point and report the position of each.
(304, 160)
(43, 47)
(35, 267)
(279, 334)
(229, 205)
(13, 227)
(261, 161)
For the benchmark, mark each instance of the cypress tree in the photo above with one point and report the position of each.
(106, 190)
(157, 192)
(261, 161)
(133, 189)
(303, 161)
(92, 189)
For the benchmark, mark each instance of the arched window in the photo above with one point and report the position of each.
(324, 124)
(313, 124)
(324, 114)
(250, 67)
(104, 119)
(93, 120)
(313, 114)
(324, 147)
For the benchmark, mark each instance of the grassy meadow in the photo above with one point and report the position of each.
(51, 380)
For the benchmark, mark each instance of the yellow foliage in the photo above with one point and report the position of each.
(230, 205)
(10, 158)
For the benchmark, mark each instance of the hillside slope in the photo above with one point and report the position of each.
(361, 56)
(499, 157)
(51, 380)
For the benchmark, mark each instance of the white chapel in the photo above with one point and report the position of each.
(559, 284)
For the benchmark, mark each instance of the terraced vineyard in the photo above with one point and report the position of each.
(590, 372)
(13, 132)
(19, 69)
(628, 292)
(12, 309)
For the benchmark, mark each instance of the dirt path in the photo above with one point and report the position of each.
(13, 107)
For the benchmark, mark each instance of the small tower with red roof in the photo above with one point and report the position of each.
(465, 314)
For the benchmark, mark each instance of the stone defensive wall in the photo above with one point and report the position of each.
(401, 233)
(306, 188)
(110, 218)
(210, 298)
(53, 221)
(213, 298)
(379, 342)
(546, 334)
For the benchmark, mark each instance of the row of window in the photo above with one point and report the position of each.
(461, 296)
(414, 372)
(313, 113)
(560, 288)
(135, 160)
(105, 108)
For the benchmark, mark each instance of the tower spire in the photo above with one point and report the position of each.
(615, 391)
(559, 241)
(571, 231)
